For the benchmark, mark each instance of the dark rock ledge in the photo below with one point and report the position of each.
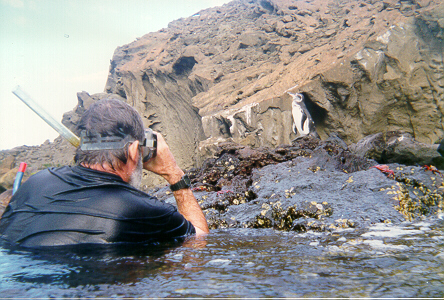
(309, 185)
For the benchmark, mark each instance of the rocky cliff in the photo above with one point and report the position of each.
(364, 67)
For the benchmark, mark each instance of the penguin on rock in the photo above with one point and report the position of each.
(302, 122)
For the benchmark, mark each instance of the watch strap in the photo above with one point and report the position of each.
(183, 183)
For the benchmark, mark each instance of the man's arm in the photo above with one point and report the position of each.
(190, 209)
(165, 165)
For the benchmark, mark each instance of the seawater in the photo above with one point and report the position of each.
(382, 261)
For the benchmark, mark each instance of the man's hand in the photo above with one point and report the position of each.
(165, 165)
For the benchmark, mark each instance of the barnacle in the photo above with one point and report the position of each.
(344, 223)
(422, 202)
(314, 169)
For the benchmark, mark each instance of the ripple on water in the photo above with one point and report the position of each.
(383, 261)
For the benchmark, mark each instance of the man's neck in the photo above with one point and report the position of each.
(121, 172)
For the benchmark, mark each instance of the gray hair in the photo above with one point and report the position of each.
(108, 117)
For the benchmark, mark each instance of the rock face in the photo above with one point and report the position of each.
(398, 147)
(363, 66)
(309, 185)
(395, 82)
(58, 153)
(84, 100)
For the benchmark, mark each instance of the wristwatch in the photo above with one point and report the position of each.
(183, 183)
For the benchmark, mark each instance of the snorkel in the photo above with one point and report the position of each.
(57, 126)
(86, 142)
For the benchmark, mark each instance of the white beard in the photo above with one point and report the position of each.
(136, 176)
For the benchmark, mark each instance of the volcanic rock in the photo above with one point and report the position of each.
(363, 66)
(309, 185)
(84, 100)
(398, 147)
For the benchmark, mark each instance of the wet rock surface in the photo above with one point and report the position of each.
(309, 185)
(398, 147)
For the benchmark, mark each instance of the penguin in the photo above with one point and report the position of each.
(302, 122)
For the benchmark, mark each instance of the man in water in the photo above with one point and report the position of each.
(98, 200)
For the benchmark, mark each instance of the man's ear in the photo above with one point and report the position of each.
(133, 151)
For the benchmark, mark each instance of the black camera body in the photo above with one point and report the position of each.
(149, 145)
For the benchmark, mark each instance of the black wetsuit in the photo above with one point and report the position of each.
(77, 205)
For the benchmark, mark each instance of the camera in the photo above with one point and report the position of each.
(149, 145)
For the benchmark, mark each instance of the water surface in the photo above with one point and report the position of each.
(383, 261)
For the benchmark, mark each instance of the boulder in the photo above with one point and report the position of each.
(5, 197)
(7, 179)
(398, 147)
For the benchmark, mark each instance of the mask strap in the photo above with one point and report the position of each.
(97, 142)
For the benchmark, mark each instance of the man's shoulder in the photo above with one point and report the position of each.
(46, 173)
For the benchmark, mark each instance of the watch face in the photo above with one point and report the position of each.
(187, 180)
(183, 183)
